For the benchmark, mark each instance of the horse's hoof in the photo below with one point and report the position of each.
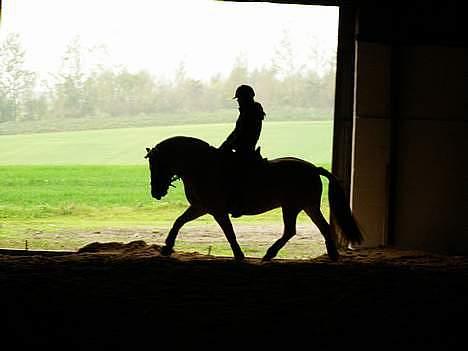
(331, 250)
(239, 258)
(334, 256)
(269, 255)
(166, 251)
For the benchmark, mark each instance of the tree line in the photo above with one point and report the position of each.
(77, 92)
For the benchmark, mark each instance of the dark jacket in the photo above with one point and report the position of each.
(245, 135)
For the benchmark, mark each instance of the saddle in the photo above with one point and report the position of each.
(243, 170)
(250, 161)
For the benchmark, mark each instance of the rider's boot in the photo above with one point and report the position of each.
(236, 208)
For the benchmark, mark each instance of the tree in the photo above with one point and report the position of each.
(69, 90)
(16, 82)
(239, 73)
(287, 71)
(266, 85)
(283, 59)
(135, 93)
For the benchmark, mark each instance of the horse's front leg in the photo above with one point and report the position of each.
(226, 225)
(190, 214)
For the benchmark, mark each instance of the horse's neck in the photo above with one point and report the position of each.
(190, 157)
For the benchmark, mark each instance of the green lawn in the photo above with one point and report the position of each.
(71, 182)
(309, 140)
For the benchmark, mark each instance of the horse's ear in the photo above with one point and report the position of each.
(147, 152)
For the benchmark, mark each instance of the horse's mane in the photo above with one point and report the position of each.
(184, 143)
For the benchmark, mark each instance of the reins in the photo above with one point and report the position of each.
(174, 178)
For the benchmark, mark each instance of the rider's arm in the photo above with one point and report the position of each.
(231, 139)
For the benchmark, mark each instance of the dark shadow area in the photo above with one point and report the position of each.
(122, 296)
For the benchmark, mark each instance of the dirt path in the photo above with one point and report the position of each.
(253, 238)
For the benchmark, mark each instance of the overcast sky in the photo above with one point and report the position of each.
(157, 35)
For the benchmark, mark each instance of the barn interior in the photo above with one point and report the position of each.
(399, 150)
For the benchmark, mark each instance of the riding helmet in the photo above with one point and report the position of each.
(244, 91)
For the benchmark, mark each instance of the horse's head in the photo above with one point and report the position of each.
(161, 174)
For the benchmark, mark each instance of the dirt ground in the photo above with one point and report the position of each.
(206, 238)
(127, 296)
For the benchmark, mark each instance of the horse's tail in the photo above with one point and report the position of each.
(340, 208)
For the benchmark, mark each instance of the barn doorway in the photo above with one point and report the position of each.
(74, 126)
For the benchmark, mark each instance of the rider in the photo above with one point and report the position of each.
(245, 135)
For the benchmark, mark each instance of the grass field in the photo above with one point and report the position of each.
(126, 146)
(89, 180)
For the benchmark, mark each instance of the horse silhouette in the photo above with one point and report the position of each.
(207, 176)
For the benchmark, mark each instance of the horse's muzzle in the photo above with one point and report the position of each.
(158, 195)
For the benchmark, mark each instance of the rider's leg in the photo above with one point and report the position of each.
(236, 206)
(190, 214)
(242, 167)
(236, 187)
(226, 225)
(289, 219)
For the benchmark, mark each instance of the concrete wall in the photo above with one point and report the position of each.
(431, 169)
(369, 188)
(410, 166)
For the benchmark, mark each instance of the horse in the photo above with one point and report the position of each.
(207, 175)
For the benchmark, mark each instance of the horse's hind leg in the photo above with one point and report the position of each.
(226, 225)
(316, 216)
(289, 219)
(190, 214)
